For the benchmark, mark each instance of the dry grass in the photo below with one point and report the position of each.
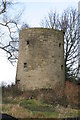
(14, 104)
(16, 110)
(21, 108)
(67, 112)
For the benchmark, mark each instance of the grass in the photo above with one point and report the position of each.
(23, 108)
(36, 105)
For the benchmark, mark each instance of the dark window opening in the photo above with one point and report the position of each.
(27, 42)
(25, 65)
(61, 67)
(17, 81)
(59, 44)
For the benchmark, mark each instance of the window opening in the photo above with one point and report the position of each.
(18, 83)
(61, 67)
(59, 44)
(25, 65)
(27, 42)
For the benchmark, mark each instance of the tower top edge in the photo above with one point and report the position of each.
(41, 28)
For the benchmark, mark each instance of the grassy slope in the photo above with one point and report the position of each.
(23, 108)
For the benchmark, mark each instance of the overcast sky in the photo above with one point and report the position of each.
(34, 11)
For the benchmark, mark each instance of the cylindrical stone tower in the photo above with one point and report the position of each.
(41, 59)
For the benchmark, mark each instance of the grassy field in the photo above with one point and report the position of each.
(24, 108)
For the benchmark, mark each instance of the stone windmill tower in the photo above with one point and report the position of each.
(41, 59)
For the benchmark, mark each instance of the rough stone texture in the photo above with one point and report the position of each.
(41, 59)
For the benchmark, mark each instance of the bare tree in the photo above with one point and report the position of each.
(68, 22)
(9, 28)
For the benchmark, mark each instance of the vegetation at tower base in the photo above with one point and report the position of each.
(68, 22)
(22, 105)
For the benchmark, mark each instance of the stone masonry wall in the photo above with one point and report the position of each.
(40, 59)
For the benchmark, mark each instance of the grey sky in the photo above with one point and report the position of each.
(35, 11)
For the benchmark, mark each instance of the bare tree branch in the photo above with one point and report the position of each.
(9, 36)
